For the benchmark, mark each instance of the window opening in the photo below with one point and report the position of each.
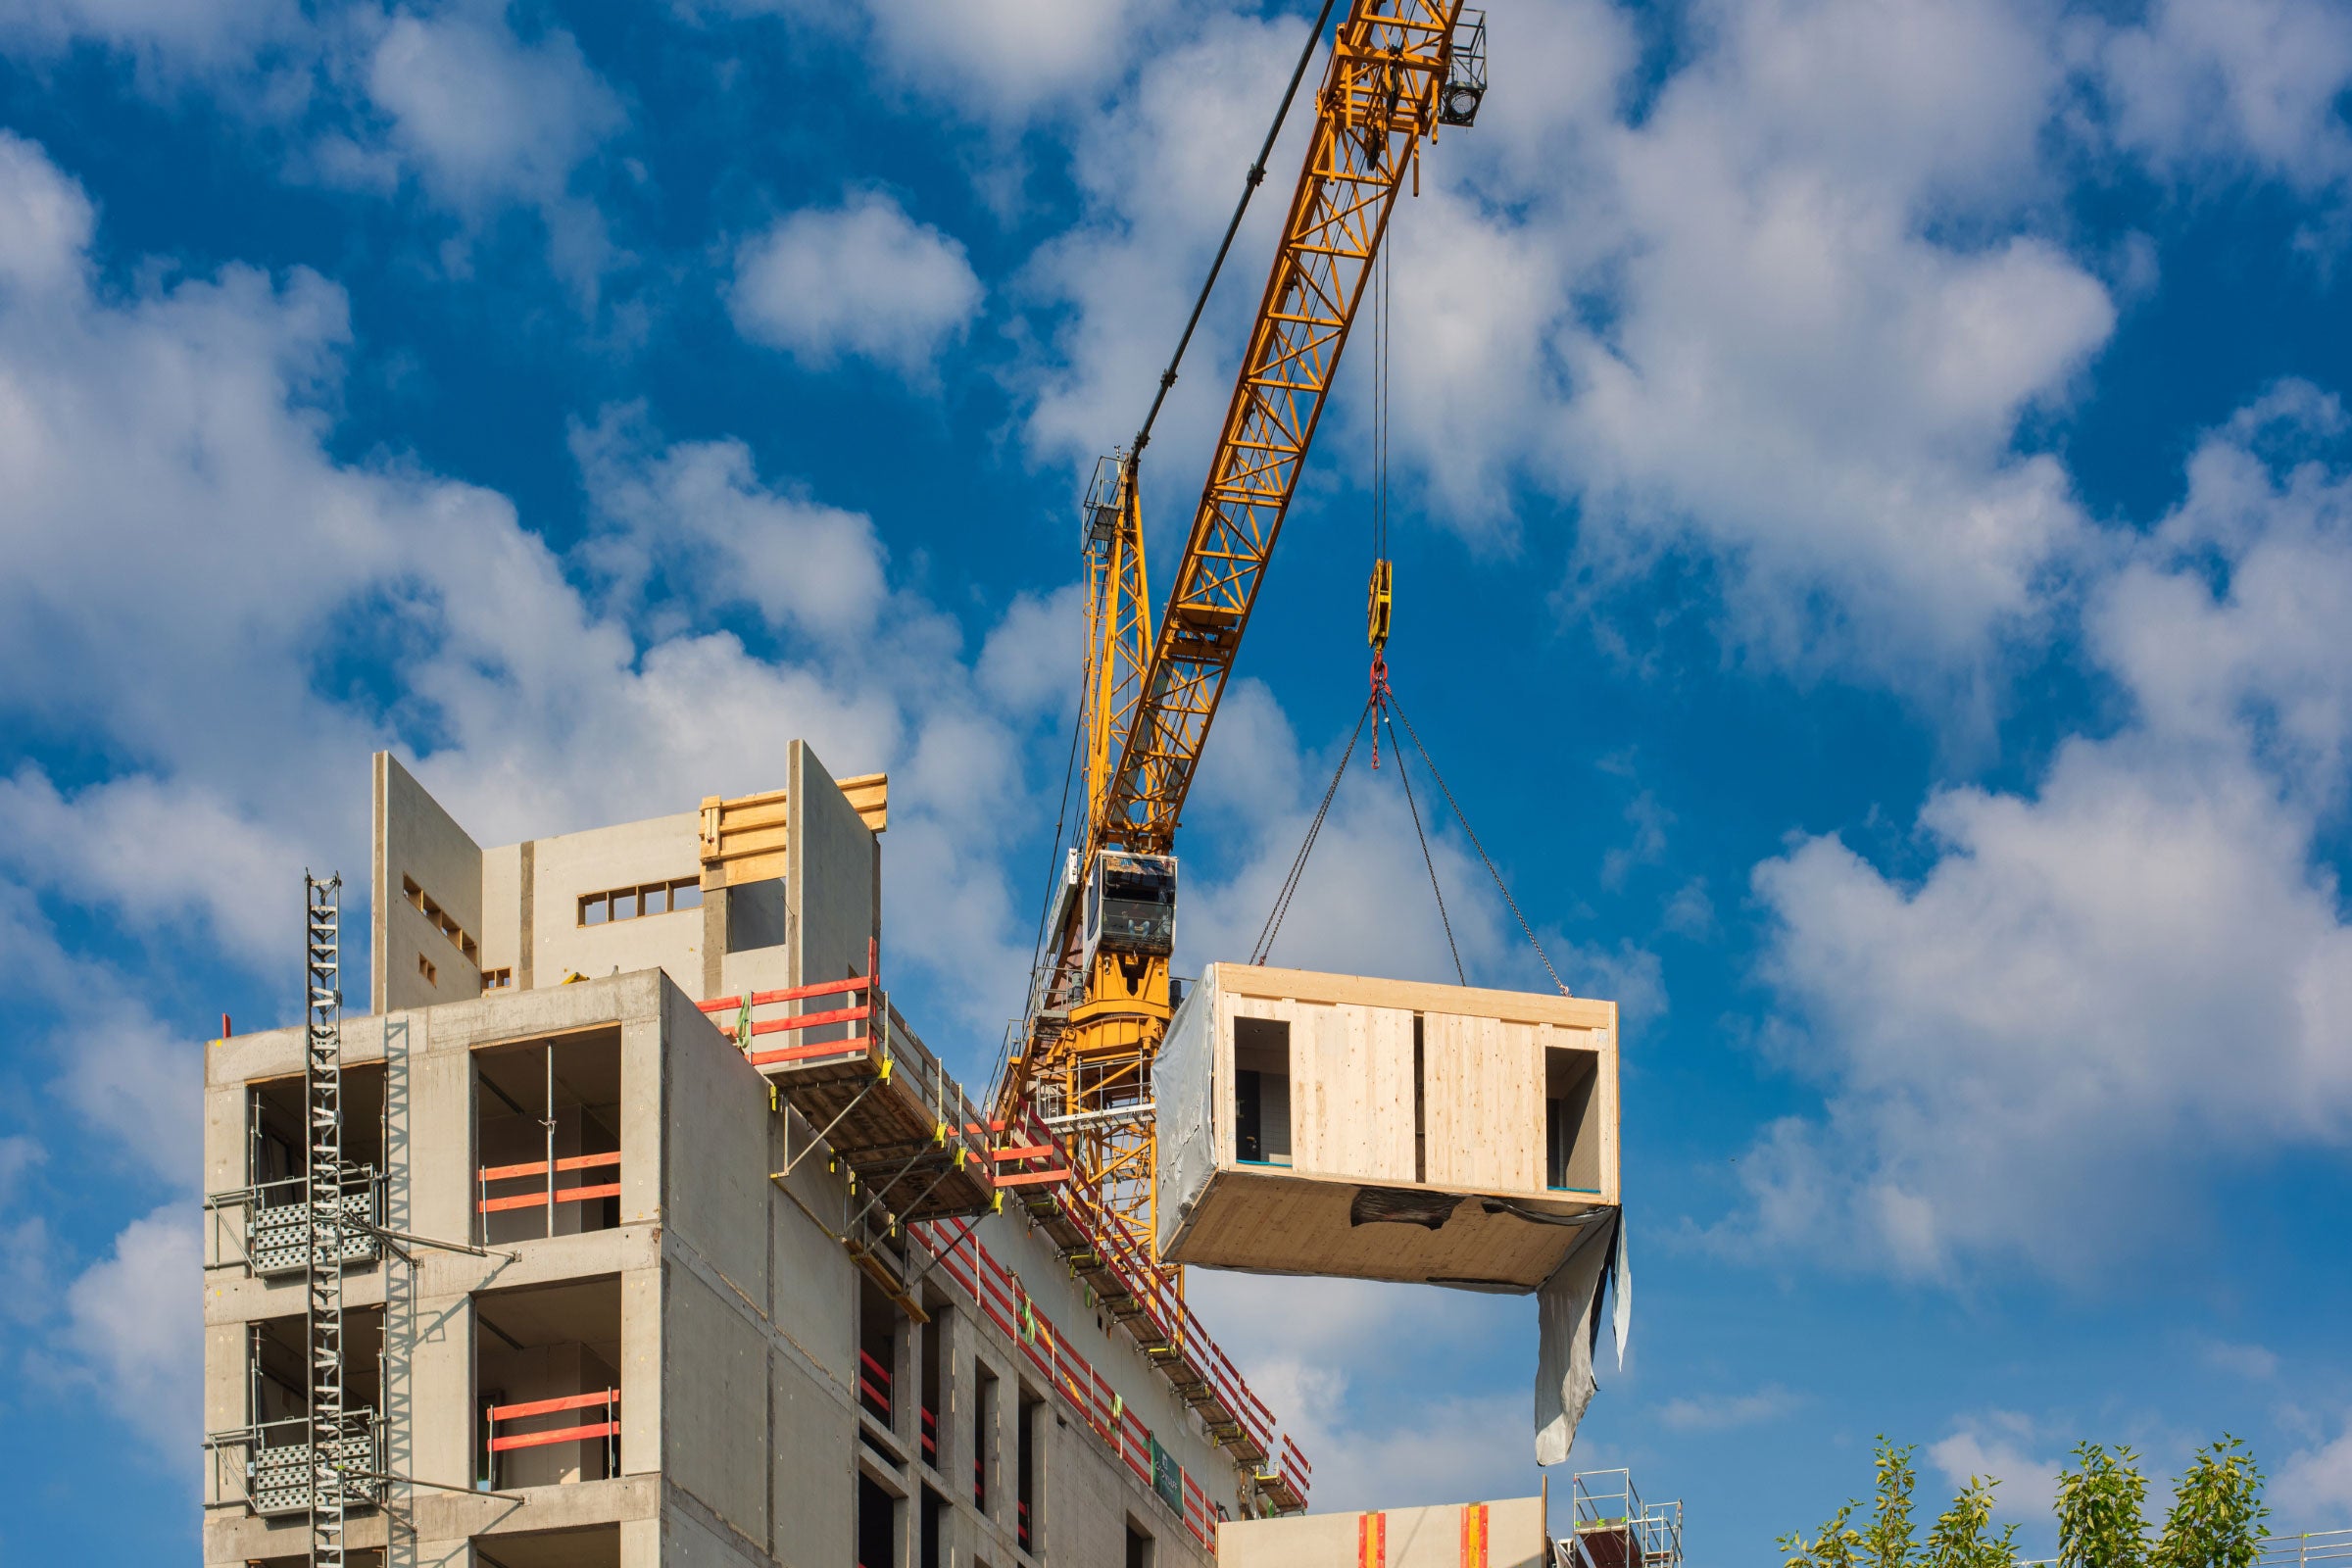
(498, 979)
(877, 1362)
(440, 919)
(547, 1138)
(927, 1547)
(646, 898)
(877, 1525)
(424, 967)
(1026, 1521)
(1261, 1088)
(1420, 1106)
(547, 1362)
(1141, 1548)
(934, 1393)
(984, 1427)
(1571, 1144)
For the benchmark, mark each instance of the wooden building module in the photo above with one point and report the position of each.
(1381, 1129)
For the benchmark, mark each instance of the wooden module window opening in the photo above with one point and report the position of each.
(1028, 1522)
(646, 898)
(547, 1137)
(1261, 1091)
(984, 1428)
(877, 1525)
(547, 1362)
(1570, 1134)
(424, 967)
(441, 919)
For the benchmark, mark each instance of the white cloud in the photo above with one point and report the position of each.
(1001, 63)
(164, 33)
(481, 114)
(1723, 1412)
(697, 516)
(132, 1323)
(862, 279)
(1994, 1447)
(1031, 660)
(2251, 1362)
(2103, 999)
(2314, 1485)
(2251, 85)
(50, 221)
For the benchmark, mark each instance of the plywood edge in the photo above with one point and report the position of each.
(1415, 995)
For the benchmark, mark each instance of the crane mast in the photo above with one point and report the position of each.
(1101, 1000)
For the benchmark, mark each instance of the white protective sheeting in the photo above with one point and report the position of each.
(1567, 1306)
(1184, 1090)
(1624, 1275)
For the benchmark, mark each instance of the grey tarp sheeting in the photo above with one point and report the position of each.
(1184, 1090)
(1567, 1325)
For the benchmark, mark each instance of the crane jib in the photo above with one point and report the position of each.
(1384, 92)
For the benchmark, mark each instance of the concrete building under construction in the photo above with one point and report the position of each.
(633, 1272)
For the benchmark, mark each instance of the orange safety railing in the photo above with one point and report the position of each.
(873, 1387)
(549, 1194)
(860, 1012)
(609, 1429)
(999, 1297)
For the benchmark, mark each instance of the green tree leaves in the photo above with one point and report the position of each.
(2216, 1519)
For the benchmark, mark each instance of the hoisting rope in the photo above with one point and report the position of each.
(1255, 178)
(1289, 884)
(1382, 707)
(1500, 886)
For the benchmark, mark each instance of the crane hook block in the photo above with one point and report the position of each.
(1377, 604)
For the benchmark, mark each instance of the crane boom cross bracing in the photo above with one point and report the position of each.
(1096, 1014)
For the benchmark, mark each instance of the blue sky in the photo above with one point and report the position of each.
(1874, 523)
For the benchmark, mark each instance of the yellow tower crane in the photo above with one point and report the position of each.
(1100, 1002)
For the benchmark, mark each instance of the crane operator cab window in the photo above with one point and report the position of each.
(1131, 904)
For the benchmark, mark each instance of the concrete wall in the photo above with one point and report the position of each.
(414, 838)
(831, 883)
(1411, 1537)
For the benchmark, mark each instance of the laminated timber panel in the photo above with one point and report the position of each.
(1479, 1078)
(1351, 1084)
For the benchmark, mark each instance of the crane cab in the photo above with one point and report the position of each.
(1130, 905)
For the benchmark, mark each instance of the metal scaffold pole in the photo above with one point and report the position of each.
(323, 1082)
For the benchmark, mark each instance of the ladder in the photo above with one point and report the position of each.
(323, 1195)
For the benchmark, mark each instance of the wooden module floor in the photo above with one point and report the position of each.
(1265, 1223)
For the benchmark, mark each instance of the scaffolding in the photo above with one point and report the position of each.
(1612, 1528)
